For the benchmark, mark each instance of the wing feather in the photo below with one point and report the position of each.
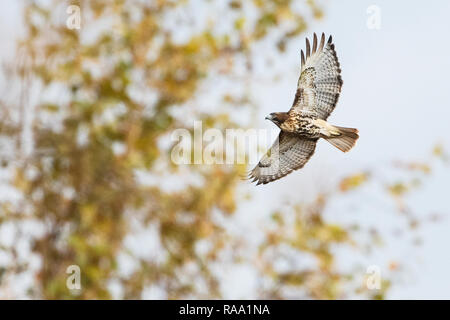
(320, 80)
(288, 153)
(303, 58)
(314, 49)
(322, 41)
(308, 54)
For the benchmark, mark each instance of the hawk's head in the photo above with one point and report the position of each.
(277, 117)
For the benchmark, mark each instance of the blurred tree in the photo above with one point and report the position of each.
(107, 97)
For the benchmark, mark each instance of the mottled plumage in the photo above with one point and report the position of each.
(318, 90)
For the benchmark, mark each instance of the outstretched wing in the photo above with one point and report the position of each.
(320, 80)
(289, 152)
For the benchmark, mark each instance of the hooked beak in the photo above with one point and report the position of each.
(269, 117)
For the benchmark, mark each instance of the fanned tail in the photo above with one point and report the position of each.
(346, 139)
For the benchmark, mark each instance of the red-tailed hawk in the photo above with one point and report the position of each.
(317, 94)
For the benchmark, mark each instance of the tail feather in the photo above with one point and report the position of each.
(345, 140)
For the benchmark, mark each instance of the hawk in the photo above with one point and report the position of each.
(318, 90)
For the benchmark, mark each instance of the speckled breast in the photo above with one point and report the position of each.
(303, 125)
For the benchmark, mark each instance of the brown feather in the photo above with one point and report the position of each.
(314, 43)
(322, 41)
(308, 47)
(303, 59)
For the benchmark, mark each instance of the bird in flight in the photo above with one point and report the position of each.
(318, 90)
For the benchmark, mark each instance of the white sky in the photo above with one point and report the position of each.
(396, 92)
